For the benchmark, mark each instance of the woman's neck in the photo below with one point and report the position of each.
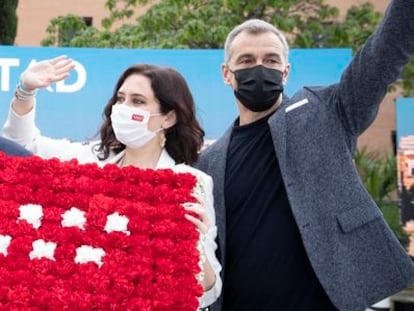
(145, 157)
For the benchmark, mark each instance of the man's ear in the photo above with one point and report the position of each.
(226, 74)
(170, 120)
(286, 73)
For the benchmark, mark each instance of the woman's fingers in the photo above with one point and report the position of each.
(43, 73)
(58, 59)
(62, 69)
(197, 222)
(200, 219)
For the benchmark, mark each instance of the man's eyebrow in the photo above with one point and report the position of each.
(248, 55)
(245, 55)
(278, 56)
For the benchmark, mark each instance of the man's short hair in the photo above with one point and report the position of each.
(254, 26)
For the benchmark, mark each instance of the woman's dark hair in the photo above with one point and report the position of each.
(184, 139)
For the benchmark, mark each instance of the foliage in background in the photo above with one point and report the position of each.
(8, 21)
(392, 215)
(203, 24)
(378, 173)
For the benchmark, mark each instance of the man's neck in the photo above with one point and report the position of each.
(247, 116)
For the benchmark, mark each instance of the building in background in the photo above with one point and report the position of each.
(405, 160)
(34, 17)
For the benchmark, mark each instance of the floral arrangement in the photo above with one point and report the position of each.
(80, 237)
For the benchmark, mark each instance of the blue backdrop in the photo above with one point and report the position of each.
(73, 108)
(404, 117)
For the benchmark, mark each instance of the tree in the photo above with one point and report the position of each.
(8, 21)
(202, 24)
(378, 173)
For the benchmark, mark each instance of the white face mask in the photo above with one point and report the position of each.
(130, 125)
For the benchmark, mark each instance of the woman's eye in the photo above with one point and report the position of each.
(137, 101)
(120, 100)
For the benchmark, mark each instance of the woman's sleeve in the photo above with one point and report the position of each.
(23, 130)
(210, 245)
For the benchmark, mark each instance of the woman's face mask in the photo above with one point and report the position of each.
(258, 88)
(130, 125)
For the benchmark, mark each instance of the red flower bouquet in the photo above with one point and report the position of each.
(80, 237)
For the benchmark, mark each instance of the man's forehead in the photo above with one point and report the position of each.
(266, 43)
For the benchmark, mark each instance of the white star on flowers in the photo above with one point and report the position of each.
(42, 249)
(4, 243)
(32, 213)
(85, 254)
(118, 223)
(74, 218)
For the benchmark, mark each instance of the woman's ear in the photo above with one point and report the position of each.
(170, 120)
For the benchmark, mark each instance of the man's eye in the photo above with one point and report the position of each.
(272, 61)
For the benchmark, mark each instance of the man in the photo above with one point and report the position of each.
(297, 229)
(11, 148)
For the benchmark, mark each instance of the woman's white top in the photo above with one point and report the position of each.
(23, 130)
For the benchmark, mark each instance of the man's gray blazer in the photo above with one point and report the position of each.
(356, 257)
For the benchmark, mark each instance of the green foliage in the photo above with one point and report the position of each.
(359, 23)
(202, 24)
(408, 79)
(192, 23)
(8, 21)
(63, 29)
(391, 214)
(378, 173)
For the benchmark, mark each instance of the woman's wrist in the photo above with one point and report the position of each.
(22, 94)
(24, 88)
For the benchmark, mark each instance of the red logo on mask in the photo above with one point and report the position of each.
(137, 117)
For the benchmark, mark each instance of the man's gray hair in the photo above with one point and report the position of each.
(254, 26)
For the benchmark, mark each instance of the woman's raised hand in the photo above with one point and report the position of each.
(43, 73)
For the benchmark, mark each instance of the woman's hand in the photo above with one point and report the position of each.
(43, 73)
(202, 223)
(200, 220)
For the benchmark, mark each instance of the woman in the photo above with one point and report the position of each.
(149, 122)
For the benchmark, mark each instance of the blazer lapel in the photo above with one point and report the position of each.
(277, 124)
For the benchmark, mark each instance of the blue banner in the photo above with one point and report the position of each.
(73, 108)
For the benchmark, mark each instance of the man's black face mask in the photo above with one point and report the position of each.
(258, 87)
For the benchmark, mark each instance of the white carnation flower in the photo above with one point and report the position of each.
(74, 218)
(4, 243)
(117, 223)
(85, 254)
(32, 213)
(42, 249)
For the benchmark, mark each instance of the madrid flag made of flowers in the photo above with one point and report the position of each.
(80, 237)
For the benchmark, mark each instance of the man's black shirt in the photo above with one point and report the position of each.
(266, 265)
